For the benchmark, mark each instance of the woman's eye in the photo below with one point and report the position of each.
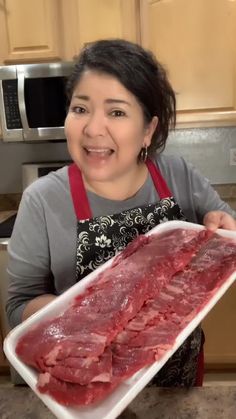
(78, 109)
(117, 113)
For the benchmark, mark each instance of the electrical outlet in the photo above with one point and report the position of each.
(232, 158)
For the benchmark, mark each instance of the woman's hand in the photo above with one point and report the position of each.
(37, 303)
(219, 219)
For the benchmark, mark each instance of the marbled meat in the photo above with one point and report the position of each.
(129, 316)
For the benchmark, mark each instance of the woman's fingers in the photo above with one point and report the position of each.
(219, 219)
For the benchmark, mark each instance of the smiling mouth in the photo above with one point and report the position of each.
(99, 152)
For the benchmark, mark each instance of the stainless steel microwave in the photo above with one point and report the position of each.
(33, 101)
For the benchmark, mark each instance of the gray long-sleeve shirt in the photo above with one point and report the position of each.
(42, 249)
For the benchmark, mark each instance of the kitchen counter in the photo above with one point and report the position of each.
(3, 243)
(154, 403)
(4, 216)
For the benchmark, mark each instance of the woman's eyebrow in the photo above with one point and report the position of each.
(83, 97)
(108, 100)
(117, 101)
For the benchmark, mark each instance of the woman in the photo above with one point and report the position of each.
(121, 106)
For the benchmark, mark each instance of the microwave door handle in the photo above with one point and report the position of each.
(21, 98)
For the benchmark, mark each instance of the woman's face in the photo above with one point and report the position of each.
(105, 128)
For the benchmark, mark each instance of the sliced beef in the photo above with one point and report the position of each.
(74, 394)
(84, 370)
(160, 321)
(98, 315)
(129, 316)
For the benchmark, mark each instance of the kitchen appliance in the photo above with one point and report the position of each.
(6, 227)
(33, 101)
(32, 171)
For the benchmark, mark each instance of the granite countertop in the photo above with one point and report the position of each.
(152, 403)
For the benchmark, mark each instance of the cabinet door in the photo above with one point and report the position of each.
(4, 329)
(219, 329)
(29, 30)
(88, 20)
(195, 40)
(3, 293)
(3, 362)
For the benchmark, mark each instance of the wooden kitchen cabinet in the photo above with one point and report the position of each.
(219, 329)
(195, 40)
(30, 30)
(3, 361)
(39, 30)
(88, 20)
(3, 293)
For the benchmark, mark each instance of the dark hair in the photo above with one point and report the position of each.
(138, 70)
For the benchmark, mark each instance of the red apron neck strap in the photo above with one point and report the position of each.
(78, 193)
(158, 180)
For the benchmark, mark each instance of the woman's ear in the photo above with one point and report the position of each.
(149, 131)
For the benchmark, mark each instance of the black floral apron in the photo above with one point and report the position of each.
(101, 238)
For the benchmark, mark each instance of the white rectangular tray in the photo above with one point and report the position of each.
(117, 401)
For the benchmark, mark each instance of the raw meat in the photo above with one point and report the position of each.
(130, 315)
(98, 315)
(74, 394)
(164, 319)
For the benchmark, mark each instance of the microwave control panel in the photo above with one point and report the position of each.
(12, 113)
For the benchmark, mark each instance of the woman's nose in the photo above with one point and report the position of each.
(95, 125)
